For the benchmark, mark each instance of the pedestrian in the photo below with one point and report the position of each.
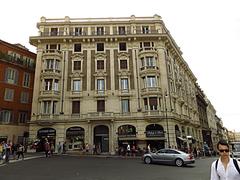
(225, 168)
(47, 148)
(52, 148)
(149, 148)
(1, 151)
(64, 148)
(20, 150)
(59, 147)
(128, 150)
(7, 150)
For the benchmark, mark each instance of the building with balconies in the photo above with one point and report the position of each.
(17, 67)
(110, 82)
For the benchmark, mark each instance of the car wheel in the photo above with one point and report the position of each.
(179, 162)
(147, 160)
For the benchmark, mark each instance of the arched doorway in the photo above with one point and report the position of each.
(155, 136)
(101, 138)
(43, 135)
(75, 138)
(126, 135)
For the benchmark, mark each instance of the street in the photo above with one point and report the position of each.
(101, 168)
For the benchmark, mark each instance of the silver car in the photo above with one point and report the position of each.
(169, 156)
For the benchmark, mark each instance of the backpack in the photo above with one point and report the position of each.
(234, 162)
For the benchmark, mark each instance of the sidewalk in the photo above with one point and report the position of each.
(33, 155)
(27, 156)
(78, 153)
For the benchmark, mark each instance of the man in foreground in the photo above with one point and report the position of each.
(225, 168)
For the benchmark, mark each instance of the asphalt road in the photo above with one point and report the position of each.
(101, 168)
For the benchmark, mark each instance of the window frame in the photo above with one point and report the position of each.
(9, 94)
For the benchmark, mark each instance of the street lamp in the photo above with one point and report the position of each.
(165, 103)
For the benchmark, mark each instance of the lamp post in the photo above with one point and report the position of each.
(166, 116)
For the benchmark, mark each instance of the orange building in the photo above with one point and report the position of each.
(17, 67)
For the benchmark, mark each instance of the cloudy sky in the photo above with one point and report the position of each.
(207, 31)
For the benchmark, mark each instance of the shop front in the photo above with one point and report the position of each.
(43, 135)
(75, 138)
(101, 138)
(155, 137)
(127, 135)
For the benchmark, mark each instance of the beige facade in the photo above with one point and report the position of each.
(112, 82)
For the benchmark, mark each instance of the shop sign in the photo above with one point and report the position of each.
(126, 135)
(47, 132)
(154, 133)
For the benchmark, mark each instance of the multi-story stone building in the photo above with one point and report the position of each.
(17, 66)
(112, 82)
(211, 112)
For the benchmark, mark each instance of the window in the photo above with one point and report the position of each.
(49, 63)
(100, 46)
(100, 86)
(124, 84)
(78, 31)
(151, 81)
(57, 65)
(11, 76)
(77, 47)
(23, 117)
(48, 84)
(76, 107)
(26, 80)
(145, 103)
(147, 45)
(100, 64)
(54, 108)
(145, 29)
(54, 31)
(76, 65)
(46, 107)
(56, 85)
(76, 85)
(5, 116)
(9, 94)
(24, 97)
(150, 61)
(153, 103)
(122, 46)
(100, 106)
(123, 64)
(121, 30)
(100, 31)
(125, 106)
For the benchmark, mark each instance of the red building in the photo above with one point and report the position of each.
(17, 67)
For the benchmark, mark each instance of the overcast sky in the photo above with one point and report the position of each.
(207, 31)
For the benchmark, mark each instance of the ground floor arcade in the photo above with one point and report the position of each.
(111, 136)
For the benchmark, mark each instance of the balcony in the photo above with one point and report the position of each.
(147, 50)
(51, 73)
(100, 93)
(52, 53)
(149, 70)
(95, 116)
(154, 114)
(50, 93)
(151, 91)
(99, 33)
(124, 92)
(76, 94)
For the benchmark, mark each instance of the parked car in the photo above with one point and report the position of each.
(169, 156)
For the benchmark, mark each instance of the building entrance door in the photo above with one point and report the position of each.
(101, 138)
